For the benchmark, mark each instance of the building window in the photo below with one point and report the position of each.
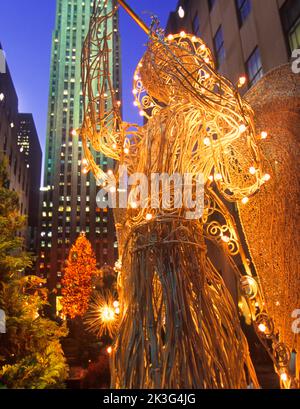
(254, 67)
(211, 4)
(290, 17)
(294, 36)
(243, 9)
(219, 46)
(196, 25)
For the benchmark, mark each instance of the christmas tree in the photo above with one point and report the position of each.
(30, 352)
(77, 281)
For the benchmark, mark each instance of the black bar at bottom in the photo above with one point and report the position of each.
(93, 399)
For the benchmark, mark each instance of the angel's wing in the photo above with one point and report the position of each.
(271, 219)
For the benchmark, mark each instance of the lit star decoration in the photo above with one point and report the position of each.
(102, 317)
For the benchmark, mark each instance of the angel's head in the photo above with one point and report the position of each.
(176, 66)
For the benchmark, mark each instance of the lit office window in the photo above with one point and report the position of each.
(254, 67)
(294, 36)
(219, 46)
(243, 9)
(290, 17)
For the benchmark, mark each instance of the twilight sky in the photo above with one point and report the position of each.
(25, 33)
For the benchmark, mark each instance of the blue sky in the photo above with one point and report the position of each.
(25, 33)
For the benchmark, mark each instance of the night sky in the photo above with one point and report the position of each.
(25, 33)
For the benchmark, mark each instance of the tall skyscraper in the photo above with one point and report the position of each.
(19, 144)
(17, 168)
(69, 196)
(29, 144)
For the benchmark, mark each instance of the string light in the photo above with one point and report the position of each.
(133, 205)
(266, 177)
(264, 135)
(109, 350)
(242, 81)
(252, 170)
(242, 128)
(149, 216)
(225, 238)
(262, 328)
(245, 200)
(206, 141)
(284, 376)
(181, 12)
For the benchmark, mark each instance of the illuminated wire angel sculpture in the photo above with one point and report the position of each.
(179, 327)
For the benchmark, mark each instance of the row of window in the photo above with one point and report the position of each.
(253, 64)
(243, 9)
(290, 17)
